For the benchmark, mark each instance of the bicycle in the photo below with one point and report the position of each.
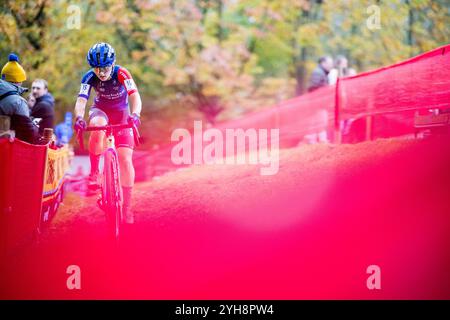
(110, 200)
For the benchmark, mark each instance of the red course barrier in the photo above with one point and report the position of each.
(21, 187)
(418, 83)
(312, 112)
(389, 96)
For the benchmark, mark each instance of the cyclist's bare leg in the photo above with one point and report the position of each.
(96, 143)
(96, 139)
(126, 166)
(127, 180)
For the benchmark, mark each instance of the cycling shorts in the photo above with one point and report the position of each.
(123, 138)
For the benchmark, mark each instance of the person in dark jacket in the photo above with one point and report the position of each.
(319, 76)
(11, 102)
(44, 108)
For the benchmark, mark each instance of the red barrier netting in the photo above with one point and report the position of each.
(21, 187)
(417, 83)
(393, 94)
(294, 118)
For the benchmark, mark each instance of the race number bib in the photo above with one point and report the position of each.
(84, 89)
(129, 84)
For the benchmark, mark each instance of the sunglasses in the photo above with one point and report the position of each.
(103, 70)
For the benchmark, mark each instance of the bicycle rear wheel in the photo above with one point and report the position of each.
(111, 193)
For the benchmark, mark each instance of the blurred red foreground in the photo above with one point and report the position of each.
(225, 232)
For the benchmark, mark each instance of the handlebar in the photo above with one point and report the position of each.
(113, 127)
(110, 129)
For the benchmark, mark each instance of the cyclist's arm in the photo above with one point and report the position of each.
(134, 98)
(83, 95)
(135, 103)
(80, 106)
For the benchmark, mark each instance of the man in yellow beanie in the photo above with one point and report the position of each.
(12, 104)
(13, 71)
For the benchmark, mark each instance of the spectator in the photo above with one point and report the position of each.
(44, 109)
(64, 130)
(319, 77)
(340, 70)
(11, 102)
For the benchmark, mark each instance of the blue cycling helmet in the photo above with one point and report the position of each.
(101, 55)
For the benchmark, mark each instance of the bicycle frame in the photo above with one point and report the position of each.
(111, 195)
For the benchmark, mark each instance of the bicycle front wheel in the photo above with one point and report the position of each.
(111, 193)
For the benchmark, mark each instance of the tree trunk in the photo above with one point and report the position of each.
(300, 72)
(219, 22)
(300, 57)
(410, 31)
